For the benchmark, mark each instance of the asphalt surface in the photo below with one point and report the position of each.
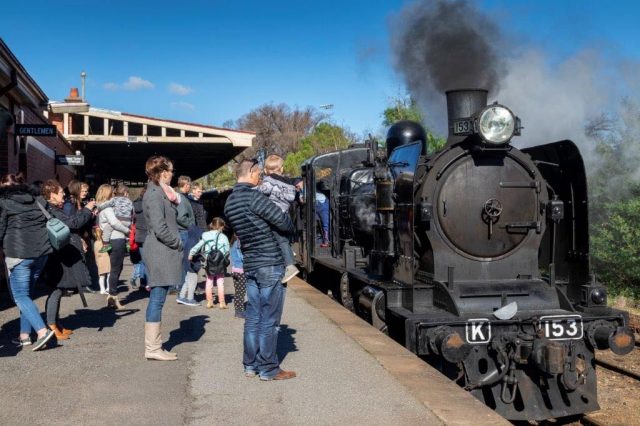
(99, 376)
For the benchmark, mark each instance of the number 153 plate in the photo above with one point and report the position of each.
(561, 327)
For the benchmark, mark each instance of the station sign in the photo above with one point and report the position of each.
(35, 130)
(70, 160)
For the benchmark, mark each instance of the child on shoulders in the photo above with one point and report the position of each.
(282, 191)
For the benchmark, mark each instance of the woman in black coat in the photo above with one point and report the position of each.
(66, 267)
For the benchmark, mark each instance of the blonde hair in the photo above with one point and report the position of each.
(105, 192)
(273, 163)
(196, 185)
(217, 224)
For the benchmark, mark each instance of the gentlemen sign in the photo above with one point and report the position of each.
(35, 130)
(70, 160)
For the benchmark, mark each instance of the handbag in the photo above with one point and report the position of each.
(59, 233)
(133, 245)
(216, 262)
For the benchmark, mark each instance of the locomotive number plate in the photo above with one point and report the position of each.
(463, 127)
(561, 327)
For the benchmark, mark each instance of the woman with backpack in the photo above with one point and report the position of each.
(24, 239)
(214, 247)
(66, 268)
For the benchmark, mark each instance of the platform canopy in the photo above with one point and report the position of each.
(117, 144)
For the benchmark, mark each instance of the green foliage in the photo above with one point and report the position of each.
(221, 178)
(406, 108)
(325, 137)
(614, 199)
(615, 246)
(402, 109)
(435, 143)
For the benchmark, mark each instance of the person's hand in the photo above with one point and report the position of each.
(91, 205)
(190, 258)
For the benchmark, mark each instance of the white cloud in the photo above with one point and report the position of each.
(183, 105)
(137, 83)
(132, 84)
(179, 89)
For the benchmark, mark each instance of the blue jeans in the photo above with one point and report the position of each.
(139, 271)
(285, 248)
(21, 281)
(264, 310)
(322, 213)
(156, 302)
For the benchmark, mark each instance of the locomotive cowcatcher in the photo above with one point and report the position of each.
(474, 257)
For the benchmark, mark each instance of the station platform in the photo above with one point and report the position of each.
(348, 372)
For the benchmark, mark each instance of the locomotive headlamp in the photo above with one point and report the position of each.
(497, 124)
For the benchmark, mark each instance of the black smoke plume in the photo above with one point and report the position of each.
(442, 45)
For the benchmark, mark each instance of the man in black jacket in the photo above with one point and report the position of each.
(253, 217)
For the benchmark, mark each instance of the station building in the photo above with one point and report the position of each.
(22, 101)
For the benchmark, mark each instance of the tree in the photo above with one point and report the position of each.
(614, 199)
(221, 178)
(325, 137)
(616, 248)
(406, 108)
(278, 128)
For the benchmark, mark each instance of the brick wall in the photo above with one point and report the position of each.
(39, 155)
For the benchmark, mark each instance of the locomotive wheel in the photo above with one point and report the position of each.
(344, 293)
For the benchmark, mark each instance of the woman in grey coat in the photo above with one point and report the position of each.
(162, 254)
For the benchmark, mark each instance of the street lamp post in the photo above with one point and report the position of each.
(83, 76)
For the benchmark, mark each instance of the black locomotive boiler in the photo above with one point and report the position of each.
(475, 257)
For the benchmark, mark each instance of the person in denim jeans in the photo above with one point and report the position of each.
(163, 249)
(254, 219)
(24, 239)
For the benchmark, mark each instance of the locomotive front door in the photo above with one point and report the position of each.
(487, 205)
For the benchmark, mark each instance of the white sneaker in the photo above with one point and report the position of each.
(290, 272)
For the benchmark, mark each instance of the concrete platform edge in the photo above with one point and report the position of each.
(451, 404)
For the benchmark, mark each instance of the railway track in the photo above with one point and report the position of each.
(592, 420)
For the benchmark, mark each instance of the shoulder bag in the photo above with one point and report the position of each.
(59, 233)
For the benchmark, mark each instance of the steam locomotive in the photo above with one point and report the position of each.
(474, 257)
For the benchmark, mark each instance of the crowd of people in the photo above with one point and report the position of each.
(166, 234)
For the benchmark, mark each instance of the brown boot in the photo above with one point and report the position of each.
(153, 343)
(59, 334)
(65, 331)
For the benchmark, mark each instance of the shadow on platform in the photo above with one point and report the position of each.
(190, 330)
(286, 341)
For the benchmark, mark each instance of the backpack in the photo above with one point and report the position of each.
(59, 233)
(216, 263)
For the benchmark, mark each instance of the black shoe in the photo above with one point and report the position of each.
(89, 290)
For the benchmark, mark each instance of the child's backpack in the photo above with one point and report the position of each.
(216, 262)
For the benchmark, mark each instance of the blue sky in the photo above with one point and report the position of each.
(212, 61)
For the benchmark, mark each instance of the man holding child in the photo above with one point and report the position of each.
(253, 217)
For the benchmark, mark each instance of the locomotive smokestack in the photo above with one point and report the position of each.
(462, 104)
